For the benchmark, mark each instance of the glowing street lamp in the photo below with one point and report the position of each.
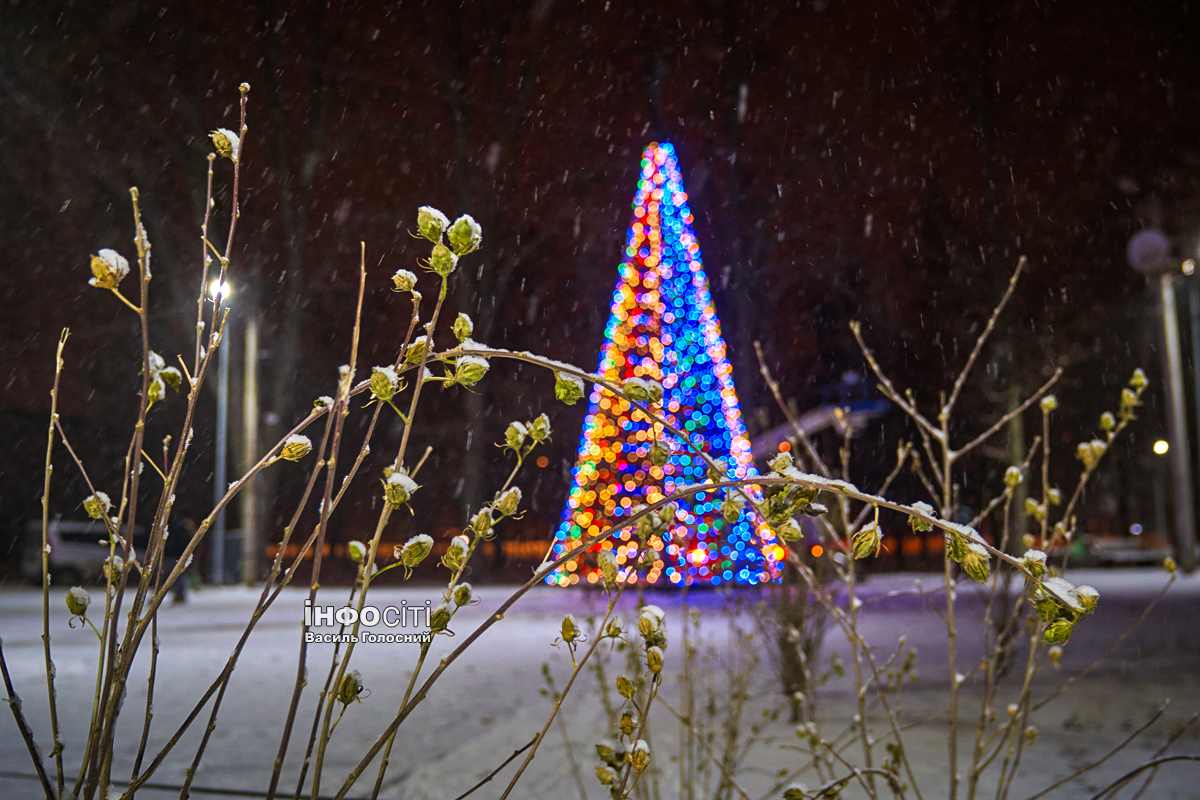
(219, 287)
(1149, 252)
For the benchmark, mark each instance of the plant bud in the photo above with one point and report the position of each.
(1055, 654)
(171, 376)
(614, 629)
(414, 551)
(442, 260)
(398, 488)
(956, 546)
(797, 791)
(1027, 540)
(462, 594)
(481, 523)
(789, 531)
(539, 429)
(717, 470)
(568, 388)
(324, 401)
(628, 723)
(866, 542)
(731, 509)
(1057, 632)
(431, 223)
(226, 143)
(156, 392)
(295, 447)
(403, 281)
(1054, 497)
(659, 454)
(656, 391)
(1129, 402)
(607, 563)
(1138, 381)
(1034, 509)
(357, 551)
(507, 503)
(469, 370)
(654, 659)
(624, 687)
(384, 383)
(919, 524)
(1169, 565)
(1049, 403)
(606, 775)
(465, 235)
(350, 688)
(1087, 597)
(1034, 562)
(97, 505)
(109, 268)
(650, 621)
(648, 558)
(415, 351)
(639, 756)
(462, 327)
(1107, 421)
(514, 437)
(1083, 451)
(1013, 477)
(781, 462)
(610, 752)
(1030, 734)
(637, 390)
(976, 562)
(456, 554)
(570, 630)
(112, 568)
(439, 620)
(78, 601)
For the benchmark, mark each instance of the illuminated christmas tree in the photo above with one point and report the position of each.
(663, 327)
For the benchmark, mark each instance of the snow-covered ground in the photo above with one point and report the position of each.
(489, 702)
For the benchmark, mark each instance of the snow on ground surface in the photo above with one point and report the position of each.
(489, 703)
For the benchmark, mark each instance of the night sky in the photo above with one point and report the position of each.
(886, 162)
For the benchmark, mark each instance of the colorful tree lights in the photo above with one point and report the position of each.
(663, 327)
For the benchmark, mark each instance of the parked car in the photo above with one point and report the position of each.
(77, 551)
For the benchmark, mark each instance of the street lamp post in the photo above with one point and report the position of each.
(219, 292)
(1149, 253)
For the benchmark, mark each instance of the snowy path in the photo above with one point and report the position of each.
(489, 702)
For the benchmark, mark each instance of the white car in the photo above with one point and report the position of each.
(78, 551)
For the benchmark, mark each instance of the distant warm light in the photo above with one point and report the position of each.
(542, 461)
(218, 287)
(1161, 447)
(1189, 266)
(663, 327)
(785, 446)
(817, 551)
(1135, 529)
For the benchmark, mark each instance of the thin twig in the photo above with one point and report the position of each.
(51, 694)
(496, 771)
(948, 408)
(14, 704)
(1157, 715)
(1133, 773)
(1004, 420)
